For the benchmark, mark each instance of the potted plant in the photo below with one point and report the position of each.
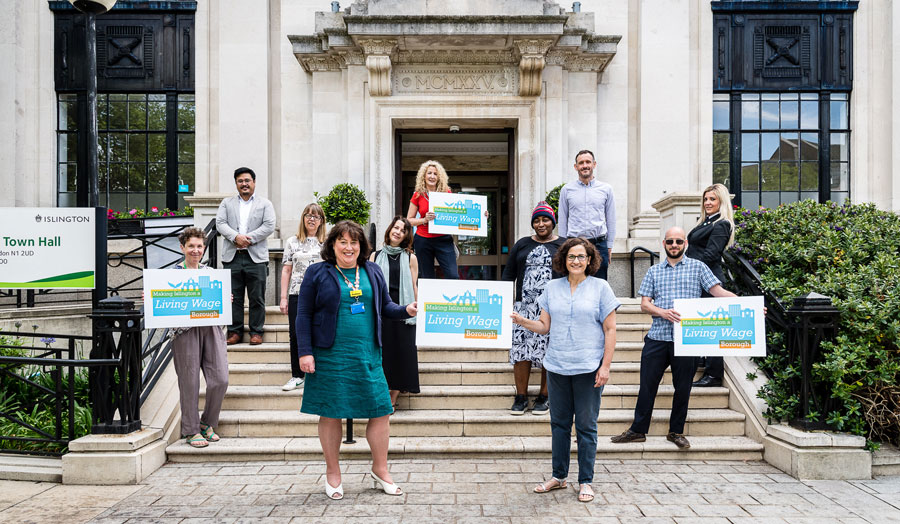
(345, 202)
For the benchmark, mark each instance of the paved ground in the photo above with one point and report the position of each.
(460, 491)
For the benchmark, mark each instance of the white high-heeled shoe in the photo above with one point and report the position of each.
(390, 489)
(334, 493)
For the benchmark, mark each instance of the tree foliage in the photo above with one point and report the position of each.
(345, 202)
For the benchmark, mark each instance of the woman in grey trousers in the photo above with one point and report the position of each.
(199, 349)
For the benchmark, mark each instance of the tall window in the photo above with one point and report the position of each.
(145, 149)
(768, 147)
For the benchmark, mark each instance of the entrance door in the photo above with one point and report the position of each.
(477, 162)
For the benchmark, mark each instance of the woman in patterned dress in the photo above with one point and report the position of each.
(530, 265)
(300, 252)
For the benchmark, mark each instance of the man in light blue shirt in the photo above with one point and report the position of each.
(587, 210)
(675, 277)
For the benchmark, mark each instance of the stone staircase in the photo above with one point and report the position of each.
(462, 409)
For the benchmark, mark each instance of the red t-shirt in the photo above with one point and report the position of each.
(421, 203)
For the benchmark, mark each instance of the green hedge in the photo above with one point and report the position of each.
(552, 198)
(850, 253)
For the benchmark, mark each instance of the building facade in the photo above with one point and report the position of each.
(779, 100)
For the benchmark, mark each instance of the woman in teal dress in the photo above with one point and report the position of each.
(339, 310)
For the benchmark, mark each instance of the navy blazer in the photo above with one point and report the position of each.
(320, 297)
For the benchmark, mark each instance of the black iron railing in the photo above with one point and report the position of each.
(632, 257)
(810, 321)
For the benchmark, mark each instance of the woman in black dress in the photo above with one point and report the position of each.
(530, 266)
(400, 267)
(706, 243)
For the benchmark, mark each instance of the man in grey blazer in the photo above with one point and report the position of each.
(246, 220)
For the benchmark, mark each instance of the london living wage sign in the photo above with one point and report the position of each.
(186, 297)
(458, 214)
(464, 313)
(728, 327)
(46, 248)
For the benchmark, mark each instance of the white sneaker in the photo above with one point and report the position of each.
(293, 383)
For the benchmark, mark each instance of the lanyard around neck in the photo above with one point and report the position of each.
(355, 285)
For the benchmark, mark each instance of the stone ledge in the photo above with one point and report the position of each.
(818, 439)
(114, 467)
(106, 443)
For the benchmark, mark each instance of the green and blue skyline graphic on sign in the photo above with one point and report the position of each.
(475, 316)
(464, 214)
(201, 298)
(731, 328)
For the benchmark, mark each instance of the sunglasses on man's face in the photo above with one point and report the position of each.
(670, 241)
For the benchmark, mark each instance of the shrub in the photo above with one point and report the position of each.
(850, 253)
(345, 202)
(188, 211)
(552, 198)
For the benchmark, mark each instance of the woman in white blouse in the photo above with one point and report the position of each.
(300, 252)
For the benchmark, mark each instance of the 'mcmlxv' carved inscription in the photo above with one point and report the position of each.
(455, 80)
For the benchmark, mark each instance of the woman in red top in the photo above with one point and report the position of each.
(431, 178)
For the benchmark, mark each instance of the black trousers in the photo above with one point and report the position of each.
(250, 276)
(715, 366)
(656, 356)
(292, 329)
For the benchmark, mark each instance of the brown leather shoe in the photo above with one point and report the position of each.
(629, 436)
(679, 440)
(255, 340)
(233, 338)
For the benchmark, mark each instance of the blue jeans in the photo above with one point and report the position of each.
(604, 257)
(574, 396)
(441, 248)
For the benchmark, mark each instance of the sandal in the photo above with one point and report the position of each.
(208, 433)
(585, 493)
(550, 485)
(197, 441)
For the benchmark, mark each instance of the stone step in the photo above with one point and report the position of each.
(277, 353)
(633, 332)
(308, 448)
(615, 396)
(33, 469)
(434, 374)
(472, 422)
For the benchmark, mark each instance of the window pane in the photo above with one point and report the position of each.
(770, 199)
(789, 196)
(749, 115)
(750, 200)
(720, 174)
(809, 115)
(809, 96)
(839, 116)
(770, 143)
(809, 146)
(156, 115)
(68, 113)
(102, 145)
(137, 116)
(789, 96)
(157, 151)
(770, 96)
(720, 116)
(789, 149)
(157, 199)
(770, 176)
(770, 115)
(185, 112)
(749, 147)
(840, 147)
(809, 176)
(839, 197)
(840, 176)
(137, 148)
(137, 199)
(750, 177)
(186, 176)
(67, 147)
(102, 112)
(137, 178)
(117, 147)
(103, 177)
(118, 178)
(68, 176)
(789, 115)
(185, 147)
(118, 201)
(809, 195)
(157, 177)
(118, 114)
(790, 176)
(720, 147)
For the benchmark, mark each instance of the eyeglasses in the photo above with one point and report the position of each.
(573, 258)
(670, 241)
(314, 218)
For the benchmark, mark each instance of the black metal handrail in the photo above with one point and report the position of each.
(653, 257)
(747, 281)
(63, 400)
